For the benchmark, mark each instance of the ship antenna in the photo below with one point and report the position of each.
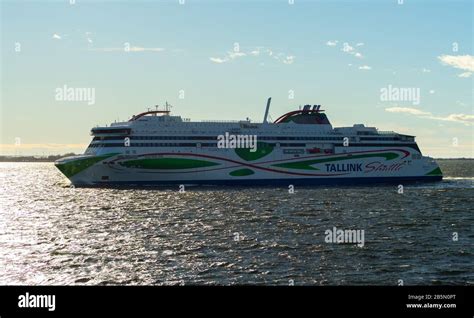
(167, 107)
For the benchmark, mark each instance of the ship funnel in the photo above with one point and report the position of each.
(266, 110)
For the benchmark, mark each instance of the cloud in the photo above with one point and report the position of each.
(218, 60)
(458, 118)
(229, 56)
(463, 118)
(365, 68)
(411, 111)
(131, 49)
(462, 62)
(56, 36)
(88, 37)
(234, 55)
(425, 70)
(144, 49)
(465, 74)
(347, 48)
(254, 52)
(289, 59)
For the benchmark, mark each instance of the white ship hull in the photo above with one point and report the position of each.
(301, 147)
(224, 167)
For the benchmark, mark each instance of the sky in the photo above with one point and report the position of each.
(401, 65)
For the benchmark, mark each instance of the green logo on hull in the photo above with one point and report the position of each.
(263, 149)
(306, 164)
(241, 173)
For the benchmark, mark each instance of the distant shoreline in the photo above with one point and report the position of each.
(56, 157)
(51, 158)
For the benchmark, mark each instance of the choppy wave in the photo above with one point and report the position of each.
(51, 233)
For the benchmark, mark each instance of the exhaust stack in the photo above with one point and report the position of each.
(266, 110)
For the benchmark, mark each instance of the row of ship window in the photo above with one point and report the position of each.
(215, 138)
(135, 144)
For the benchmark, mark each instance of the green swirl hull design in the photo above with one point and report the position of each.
(220, 166)
(263, 150)
(73, 167)
(168, 163)
(242, 173)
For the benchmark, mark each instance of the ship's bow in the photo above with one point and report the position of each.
(78, 168)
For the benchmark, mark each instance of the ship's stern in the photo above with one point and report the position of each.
(432, 171)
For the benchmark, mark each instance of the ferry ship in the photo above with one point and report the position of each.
(299, 148)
